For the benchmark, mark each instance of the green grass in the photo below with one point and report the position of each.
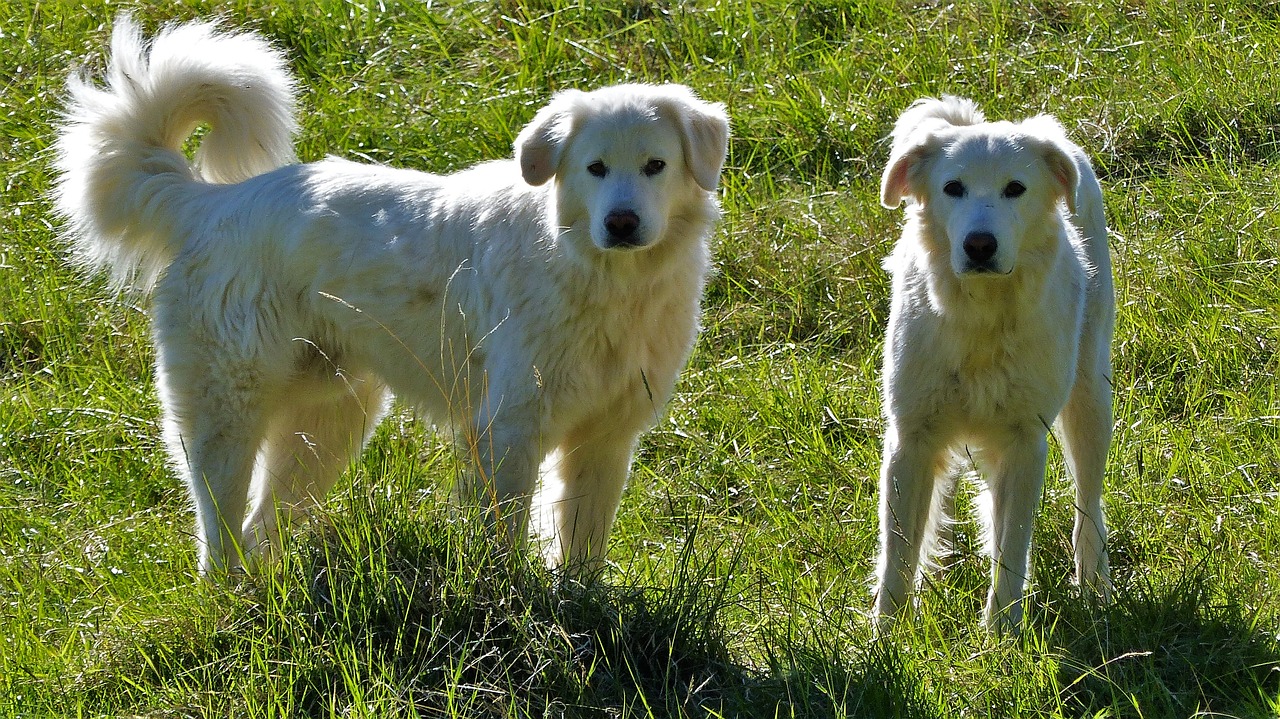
(740, 566)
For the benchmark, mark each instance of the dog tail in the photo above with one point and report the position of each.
(935, 112)
(123, 171)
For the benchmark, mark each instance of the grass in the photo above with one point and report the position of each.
(740, 565)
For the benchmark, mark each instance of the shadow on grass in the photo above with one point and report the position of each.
(417, 619)
(1182, 648)
(378, 615)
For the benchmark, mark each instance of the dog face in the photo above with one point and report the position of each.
(626, 176)
(983, 189)
(626, 159)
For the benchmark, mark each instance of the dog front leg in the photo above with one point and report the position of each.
(583, 489)
(1015, 496)
(906, 490)
(504, 466)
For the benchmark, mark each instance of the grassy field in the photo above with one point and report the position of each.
(740, 566)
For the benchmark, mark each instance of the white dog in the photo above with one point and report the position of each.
(539, 310)
(1001, 324)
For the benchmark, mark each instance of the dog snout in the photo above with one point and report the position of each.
(621, 226)
(980, 247)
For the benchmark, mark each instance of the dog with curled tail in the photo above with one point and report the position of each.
(538, 310)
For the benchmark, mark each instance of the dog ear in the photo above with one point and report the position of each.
(704, 132)
(1064, 170)
(541, 142)
(1051, 138)
(903, 164)
(706, 142)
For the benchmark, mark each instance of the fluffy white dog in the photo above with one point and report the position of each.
(1000, 324)
(539, 310)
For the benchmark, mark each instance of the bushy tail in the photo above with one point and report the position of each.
(124, 176)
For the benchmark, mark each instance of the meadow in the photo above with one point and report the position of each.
(739, 571)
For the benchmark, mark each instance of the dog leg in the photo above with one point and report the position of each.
(213, 435)
(308, 446)
(591, 474)
(221, 463)
(1085, 429)
(939, 539)
(906, 492)
(504, 452)
(1015, 496)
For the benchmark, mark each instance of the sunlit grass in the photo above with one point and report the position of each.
(744, 547)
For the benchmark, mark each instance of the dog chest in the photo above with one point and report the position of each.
(623, 352)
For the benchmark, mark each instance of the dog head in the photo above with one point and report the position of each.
(983, 188)
(626, 158)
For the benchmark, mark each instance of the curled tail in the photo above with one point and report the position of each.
(123, 175)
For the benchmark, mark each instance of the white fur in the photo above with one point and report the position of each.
(986, 350)
(289, 300)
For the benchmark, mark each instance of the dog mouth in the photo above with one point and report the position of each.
(623, 244)
(985, 268)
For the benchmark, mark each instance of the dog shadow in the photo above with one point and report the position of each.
(1173, 647)
(455, 623)
(446, 616)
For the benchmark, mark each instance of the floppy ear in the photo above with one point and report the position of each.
(706, 143)
(1065, 173)
(903, 164)
(704, 133)
(541, 142)
(1050, 137)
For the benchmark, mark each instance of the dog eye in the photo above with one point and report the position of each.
(598, 169)
(955, 188)
(1014, 189)
(653, 167)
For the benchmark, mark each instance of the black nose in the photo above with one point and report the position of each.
(621, 224)
(980, 246)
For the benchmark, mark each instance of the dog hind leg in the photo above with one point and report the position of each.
(1085, 430)
(940, 533)
(213, 426)
(308, 445)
